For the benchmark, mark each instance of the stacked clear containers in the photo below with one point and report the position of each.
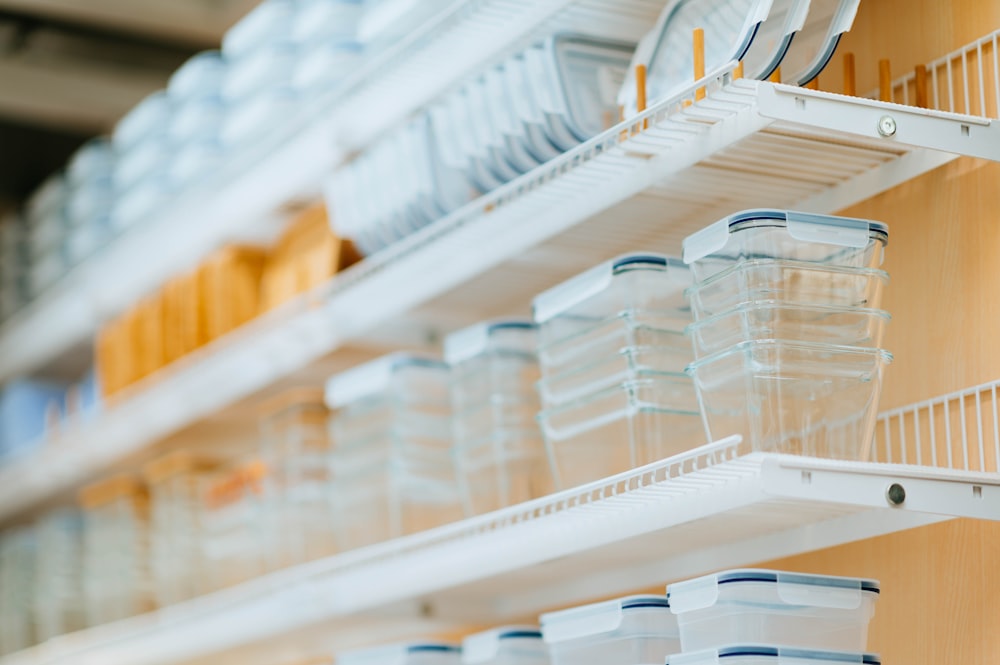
(612, 354)
(636, 630)
(761, 611)
(177, 554)
(296, 449)
(58, 594)
(238, 545)
(17, 573)
(392, 462)
(498, 446)
(788, 330)
(116, 578)
(509, 645)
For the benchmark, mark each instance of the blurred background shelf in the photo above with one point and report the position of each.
(697, 512)
(748, 144)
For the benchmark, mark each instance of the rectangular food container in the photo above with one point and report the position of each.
(763, 654)
(620, 428)
(789, 282)
(496, 359)
(845, 326)
(635, 630)
(818, 400)
(503, 469)
(774, 607)
(780, 234)
(648, 288)
(509, 645)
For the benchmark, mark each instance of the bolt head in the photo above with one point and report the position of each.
(886, 125)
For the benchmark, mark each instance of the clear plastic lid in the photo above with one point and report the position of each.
(805, 227)
(484, 647)
(779, 655)
(557, 300)
(374, 377)
(201, 75)
(814, 45)
(667, 52)
(791, 588)
(396, 654)
(597, 618)
(149, 115)
(774, 36)
(517, 335)
(267, 23)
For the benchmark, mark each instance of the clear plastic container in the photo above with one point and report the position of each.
(621, 428)
(845, 326)
(17, 579)
(58, 593)
(495, 358)
(789, 282)
(629, 363)
(764, 654)
(650, 283)
(818, 400)
(778, 234)
(296, 447)
(636, 630)
(813, 47)
(774, 607)
(411, 653)
(509, 645)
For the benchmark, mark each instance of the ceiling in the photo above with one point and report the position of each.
(70, 68)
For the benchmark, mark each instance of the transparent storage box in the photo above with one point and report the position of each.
(58, 593)
(296, 448)
(17, 578)
(793, 397)
(844, 326)
(636, 630)
(411, 653)
(651, 284)
(789, 282)
(774, 607)
(621, 428)
(509, 645)
(778, 234)
(764, 654)
(496, 359)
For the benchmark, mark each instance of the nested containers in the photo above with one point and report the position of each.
(116, 577)
(17, 578)
(612, 355)
(509, 645)
(296, 448)
(238, 542)
(178, 562)
(393, 467)
(58, 592)
(498, 450)
(773, 607)
(636, 630)
(788, 331)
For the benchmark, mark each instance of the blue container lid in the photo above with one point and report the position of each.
(735, 652)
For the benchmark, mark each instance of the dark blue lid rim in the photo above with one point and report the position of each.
(782, 216)
(794, 652)
(647, 259)
(440, 648)
(520, 635)
(765, 576)
(419, 362)
(512, 325)
(646, 602)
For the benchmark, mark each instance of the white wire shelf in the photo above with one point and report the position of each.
(245, 201)
(643, 184)
(686, 515)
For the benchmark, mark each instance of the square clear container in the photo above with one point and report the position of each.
(18, 554)
(765, 654)
(492, 359)
(818, 400)
(238, 543)
(508, 645)
(780, 234)
(790, 282)
(411, 653)
(636, 630)
(650, 283)
(774, 607)
(627, 364)
(844, 326)
(507, 467)
(296, 448)
(619, 429)
(57, 595)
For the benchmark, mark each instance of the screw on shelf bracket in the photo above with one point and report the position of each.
(895, 495)
(887, 125)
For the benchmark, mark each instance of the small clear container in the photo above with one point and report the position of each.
(508, 645)
(790, 282)
(636, 630)
(621, 428)
(779, 234)
(296, 448)
(58, 592)
(629, 363)
(774, 607)
(17, 578)
(492, 359)
(766, 654)
(818, 400)
(649, 283)
(411, 653)
(845, 326)
(238, 544)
